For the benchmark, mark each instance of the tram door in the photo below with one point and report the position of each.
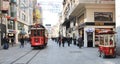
(89, 39)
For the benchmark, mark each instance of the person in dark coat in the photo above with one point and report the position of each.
(22, 42)
(63, 41)
(69, 40)
(59, 40)
(12, 41)
(74, 40)
(80, 42)
(5, 43)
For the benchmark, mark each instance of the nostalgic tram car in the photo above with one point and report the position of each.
(107, 46)
(38, 36)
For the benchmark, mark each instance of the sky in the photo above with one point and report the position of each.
(50, 10)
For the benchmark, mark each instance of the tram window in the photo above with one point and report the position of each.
(38, 32)
(42, 32)
(35, 33)
(106, 40)
(101, 40)
(111, 40)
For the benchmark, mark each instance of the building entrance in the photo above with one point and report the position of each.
(89, 39)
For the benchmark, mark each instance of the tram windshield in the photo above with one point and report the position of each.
(37, 32)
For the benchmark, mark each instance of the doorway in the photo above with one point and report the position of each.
(89, 39)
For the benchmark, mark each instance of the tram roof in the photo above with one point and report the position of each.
(37, 26)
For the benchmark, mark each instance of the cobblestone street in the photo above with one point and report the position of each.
(53, 54)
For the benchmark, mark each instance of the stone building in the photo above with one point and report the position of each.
(86, 17)
(16, 16)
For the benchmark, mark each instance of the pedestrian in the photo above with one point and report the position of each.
(25, 40)
(63, 41)
(69, 40)
(80, 42)
(74, 40)
(5, 43)
(12, 41)
(21, 42)
(59, 41)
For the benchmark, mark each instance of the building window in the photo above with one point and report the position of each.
(23, 17)
(20, 26)
(11, 24)
(103, 16)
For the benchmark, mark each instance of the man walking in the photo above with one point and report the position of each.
(5, 43)
(22, 42)
(59, 40)
(69, 40)
(80, 42)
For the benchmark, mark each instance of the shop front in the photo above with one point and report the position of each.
(11, 35)
(90, 30)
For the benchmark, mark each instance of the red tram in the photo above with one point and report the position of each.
(39, 36)
(107, 46)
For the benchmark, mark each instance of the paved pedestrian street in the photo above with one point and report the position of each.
(53, 54)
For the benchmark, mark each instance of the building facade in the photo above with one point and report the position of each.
(24, 17)
(15, 18)
(4, 10)
(86, 17)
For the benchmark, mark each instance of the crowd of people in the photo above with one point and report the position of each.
(62, 40)
(6, 41)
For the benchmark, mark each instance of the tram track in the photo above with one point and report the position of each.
(32, 57)
(24, 60)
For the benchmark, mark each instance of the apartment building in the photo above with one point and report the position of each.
(86, 17)
(15, 18)
(4, 8)
(24, 16)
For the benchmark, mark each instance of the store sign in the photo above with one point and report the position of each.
(5, 5)
(90, 30)
(11, 31)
